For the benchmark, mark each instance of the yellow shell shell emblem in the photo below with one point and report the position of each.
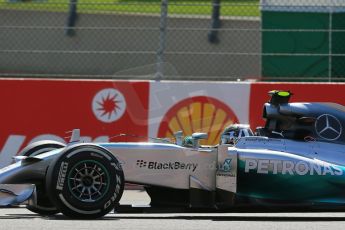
(198, 114)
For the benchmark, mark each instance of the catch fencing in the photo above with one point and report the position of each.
(284, 40)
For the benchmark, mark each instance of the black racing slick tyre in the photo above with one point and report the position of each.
(43, 207)
(85, 182)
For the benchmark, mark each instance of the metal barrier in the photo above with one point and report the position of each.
(285, 40)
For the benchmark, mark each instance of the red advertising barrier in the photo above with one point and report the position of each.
(302, 92)
(46, 109)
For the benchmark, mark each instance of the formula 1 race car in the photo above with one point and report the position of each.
(297, 158)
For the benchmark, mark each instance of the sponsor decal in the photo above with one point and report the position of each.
(227, 165)
(328, 127)
(225, 169)
(198, 114)
(96, 155)
(117, 191)
(100, 109)
(108, 105)
(225, 174)
(167, 165)
(118, 166)
(263, 166)
(62, 175)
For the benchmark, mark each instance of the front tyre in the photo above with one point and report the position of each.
(43, 207)
(85, 182)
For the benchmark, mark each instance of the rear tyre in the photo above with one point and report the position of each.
(44, 207)
(85, 182)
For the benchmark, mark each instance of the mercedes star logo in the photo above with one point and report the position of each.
(328, 127)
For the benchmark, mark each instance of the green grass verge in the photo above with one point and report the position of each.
(193, 7)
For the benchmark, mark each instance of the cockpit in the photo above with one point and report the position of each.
(295, 121)
(233, 132)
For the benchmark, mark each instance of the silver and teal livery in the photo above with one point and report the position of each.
(298, 159)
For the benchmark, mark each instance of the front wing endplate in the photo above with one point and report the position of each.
(15, 194)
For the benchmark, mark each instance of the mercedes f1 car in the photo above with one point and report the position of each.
(297, 158)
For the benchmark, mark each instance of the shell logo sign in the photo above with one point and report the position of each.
(198, 114)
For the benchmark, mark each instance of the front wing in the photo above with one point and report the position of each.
(16, 194)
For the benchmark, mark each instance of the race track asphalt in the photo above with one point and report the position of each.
(20, 218)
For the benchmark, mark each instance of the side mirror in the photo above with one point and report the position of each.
(198, 136)
(178, 136)
(75, 137)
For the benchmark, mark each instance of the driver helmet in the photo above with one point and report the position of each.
(232, 133)
(229, 137)
(187, 141)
